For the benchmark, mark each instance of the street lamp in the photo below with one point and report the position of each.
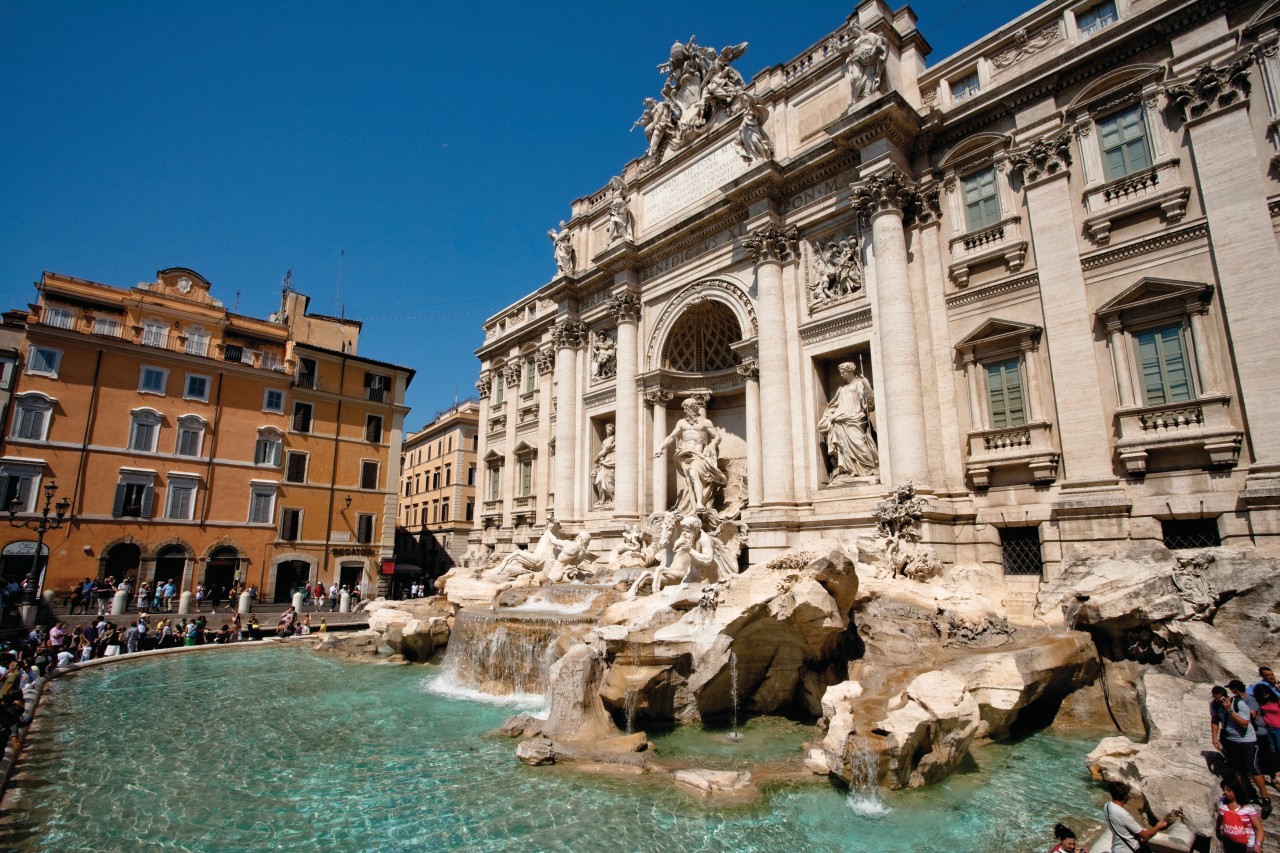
(41, 526)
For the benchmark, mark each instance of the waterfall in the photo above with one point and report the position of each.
(504, 655)
(864, 775)
(734, 734)
(629, 704)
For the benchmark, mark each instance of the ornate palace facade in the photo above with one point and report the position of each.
(1036, 280)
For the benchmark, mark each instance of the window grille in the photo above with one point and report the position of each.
(1190, 533)
(702, 340)
(1020, 551)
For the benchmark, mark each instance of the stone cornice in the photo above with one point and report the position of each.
(990, 291)
(834, 327)
(1186, 234)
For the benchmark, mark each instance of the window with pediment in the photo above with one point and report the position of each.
(702, 339)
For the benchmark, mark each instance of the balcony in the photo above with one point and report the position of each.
(1028, 445)
(1159, 186)
(527, 503)
(491, 509)
(1002, 241)
(1199, 428)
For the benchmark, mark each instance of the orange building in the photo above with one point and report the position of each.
(200, 445)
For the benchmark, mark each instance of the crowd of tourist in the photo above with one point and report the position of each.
(161, 597)
(1244, 727)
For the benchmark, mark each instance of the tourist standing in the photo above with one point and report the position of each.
(333, 596)
(1266, 678)
(199, 596)
(1269, 706)
(1239, 826)
(103, 590)
(1127, 835)
(1232, 727)
(1066, 839)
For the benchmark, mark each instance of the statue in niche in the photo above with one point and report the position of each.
(837, 270)
(621, 223)
(562, 240)
(753, 143)
(845, 427)
(697, 446)
(602, 470)
(865, 62)
(604, 355)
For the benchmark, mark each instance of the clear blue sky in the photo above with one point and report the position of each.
(433, 144)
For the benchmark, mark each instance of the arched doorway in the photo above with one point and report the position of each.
(291, 575)
(222, 570)
(122, 561)
(171, 565)
(350, 575)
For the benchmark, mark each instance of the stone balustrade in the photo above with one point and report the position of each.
(1159, 186)
(1028, 446)
(1002, 241)
(1198, 426)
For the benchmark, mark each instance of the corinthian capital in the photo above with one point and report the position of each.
(1212, 88)
(771, 243)
(657, 396)
(546, 360)
(484, 384)
(625, 307)
(891, 190)
(1046, 156)
(569, 334)
(750, 368)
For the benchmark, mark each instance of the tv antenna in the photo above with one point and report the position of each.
(337, 291)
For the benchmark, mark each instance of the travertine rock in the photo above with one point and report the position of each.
(415, 628)
(536, 751)
(711, 782)
(576, 710)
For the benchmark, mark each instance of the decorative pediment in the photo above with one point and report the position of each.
(998, 333)
(523, 449)
(182, 283)
(1266, 15)
(1131, 77)
(493, 458)
(1154, 293)
(980, 146)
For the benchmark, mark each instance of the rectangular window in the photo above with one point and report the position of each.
(1190, 533)
(373, 428)
(133, 500)
(1123, 137)
(364, 528)
(495, 482)
(142, 437)
(155, 335)
(965, 87)
(471, 475)
(153, 380)
(981, 205)
(448, 474)
(61, 318)
(444, 510)
(197, 388)
(290, 524)
(530, 375)
(273, 400)
(306, 375)
(189, 441)
(44, 361)
(1004, 394)
(182, 498)
(408, 486)
(301, 417)
(471, 509)
(17, 487)
(267, 452)
(232, 352)
(435, 479)
(499, 382)
(368, 474)
(1097, 17)
(1020, 550)
(261, 506)
(197, 343)
(526, 477)
(1162, 364)
(417, 484)
(109, 326)
(28, 423)
(295, 468)
(376, 387)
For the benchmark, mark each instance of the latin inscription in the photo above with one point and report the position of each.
(809, 195)
(675, 259)
(699, 180)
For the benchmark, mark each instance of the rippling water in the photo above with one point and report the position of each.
(281, 748)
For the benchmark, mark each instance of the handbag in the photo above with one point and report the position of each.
(1143, 847)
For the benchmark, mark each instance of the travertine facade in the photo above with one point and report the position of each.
(1042, 275)
(438, 490)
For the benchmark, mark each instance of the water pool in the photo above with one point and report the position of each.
(282, 748)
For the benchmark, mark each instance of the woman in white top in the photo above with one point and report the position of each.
(1127, 835)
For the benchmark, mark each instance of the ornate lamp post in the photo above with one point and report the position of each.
(41, 525)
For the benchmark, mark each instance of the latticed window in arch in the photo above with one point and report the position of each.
(702, 339)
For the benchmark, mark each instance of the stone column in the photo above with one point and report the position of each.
(1120, 361)
(568, 335)
(626, 310)
(1214, 105)
(1086, 437)
(769, 246)
(658, 399)
(750, 368)
(1206, 363)
(884, 200)
(1032, 399)
(976, 416)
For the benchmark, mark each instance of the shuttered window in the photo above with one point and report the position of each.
(1162, 363)
(295, 467)
(1123, 137)
(133, 500)
(368, 474)
(981, 206)
(1004, 394)
(290, 524)
(364, 528)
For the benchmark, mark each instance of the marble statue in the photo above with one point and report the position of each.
(632, 550)
(753, 143)
(535, 559)
(845, 427)
(602, 470)
(604, 355)
(658, 124)
(837, 270)
(865, 62)
(697, 445)
(563, 242)
(570, 560)
(621, 222)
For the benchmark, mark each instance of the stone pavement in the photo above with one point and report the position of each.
(268, 616)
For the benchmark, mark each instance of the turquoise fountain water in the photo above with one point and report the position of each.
(281, 748)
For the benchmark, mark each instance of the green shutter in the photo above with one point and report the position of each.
(1162, 363)
(1004, 394)
(1123, 137)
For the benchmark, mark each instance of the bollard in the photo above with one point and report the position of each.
(120, 603)
(344, 602)
(48, 595)
(184, 603)
(297, 602)
(246, 602)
